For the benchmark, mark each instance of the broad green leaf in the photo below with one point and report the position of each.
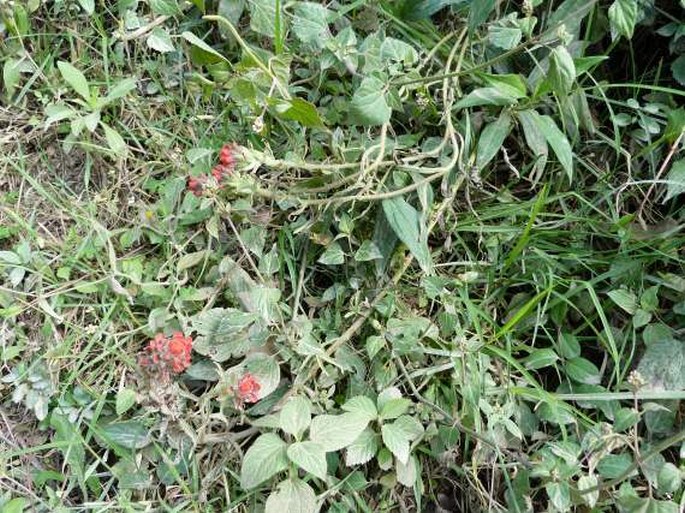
(395, 50)
(663, 365)
(87, 5)
(310, 457)
(75, 79)
(562, 71)
(623, 17)
(160, 40)
(612, 466)
(583, 371)
(119, 90)
(335, 432)
(126, 398)
(635, 504)
(485, 96)
(624, 298)
(570, 15)
(263, 16)
(394, 408)
(115, 142)
(71, 444)
(678, 70)
(9, 257)
(479, 11)
(232, 10)
(569, 347)
(191, 260)
(669, 478)
(199, 43)
(16, 505)
(363, 449)
(397, 441)
(292, 496)
(369, 106)
(266, 371)
(262, 300)
(222, 333)
(405, 221)
(540, 358)
(509, 84)
(334, 255)
(557, 140)
(411, 427)
(491, 140)
(296, 416)
(362, 405)
(505, 38)
(301, 111)
(129, 434)
(559, 495)
(675, 180)
(586, 482)
(265, 458)
(406, 474)
(164, 7)
(368, 251)
(532, 131)
(310, 24)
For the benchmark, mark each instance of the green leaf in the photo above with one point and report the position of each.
(562, 71)
(363, 449)
(406, 474)
(583, 371)
(334, 255)
(368, 251)
(160, 40)
(676, 180)
(394, 408)
(292, 496)
(75, 79)
(204, 47)
(335, 432)
(115, 142)
(669, 478)
(369, 106)
(310, 24)
(397, 441)
(121, 89)
(232, 10)
(126, 398)
(361, 405)
(509, 84)
(14, 506)
(532, 131)
(87, 5)
(569, 347)
(265, 369)
(479, 10)
(222, 333)
(265, 458)
(191, 260)
(612, 466)
(491, 139)
(540, 358)
(164, 7)
(301, 111)
(398, 51)
(663, 365)
(263, 16)
(129, 434)
(626, 299)
(557, 140)
(623, 17)
(586, 482)
(559, 495)
(678, 70)
(405, 221)
(505, 38)
(296, 416)
(310, 457)
(486, 96)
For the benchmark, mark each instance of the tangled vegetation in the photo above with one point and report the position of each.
(295, 256)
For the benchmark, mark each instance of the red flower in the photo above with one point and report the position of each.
(220, 171)
(227, 155)
(248, 388)
(168, 353)
(196, 184)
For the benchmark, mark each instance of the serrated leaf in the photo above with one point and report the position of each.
(265, 458)
(405, 221)
(623, 17)
(129, 434)
(397, 441)
(395, 50)
(361, 405)
(160, 40)
(369, 106)
(310, 457)
(335, 432)
(75, 79)
(485, 96)
(363, 449)
(126, 398)
(491, 140)
(296, 416)
(292, 496)
(394, 408)
(310, 24)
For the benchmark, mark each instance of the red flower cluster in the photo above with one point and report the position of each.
(248, 389)
(168, 353)
(227, 160)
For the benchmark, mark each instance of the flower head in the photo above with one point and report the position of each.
(248, 388)
(168, 353)
(227, 155)
(196, 184)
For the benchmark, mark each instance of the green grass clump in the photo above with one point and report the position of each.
(425, 255)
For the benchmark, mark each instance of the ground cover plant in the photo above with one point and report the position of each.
(291, 256)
